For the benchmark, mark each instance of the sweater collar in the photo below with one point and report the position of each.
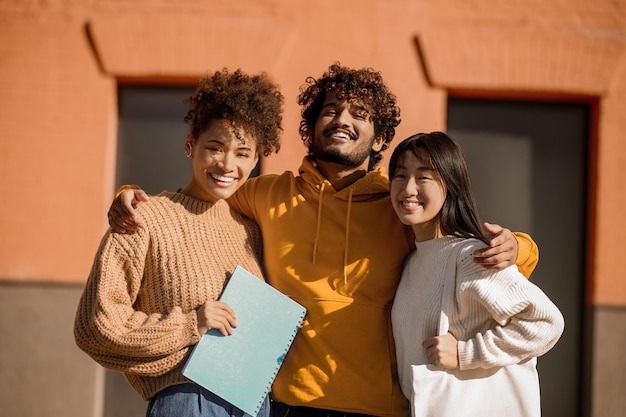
(194, 205)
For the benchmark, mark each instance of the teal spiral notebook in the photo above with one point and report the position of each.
(240, 368)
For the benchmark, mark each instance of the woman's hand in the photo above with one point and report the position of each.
(216, 315)
(442, 351)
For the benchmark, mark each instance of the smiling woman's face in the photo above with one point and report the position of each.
(223, 156)
(417, 195)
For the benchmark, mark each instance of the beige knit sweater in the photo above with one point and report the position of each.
(137, 312)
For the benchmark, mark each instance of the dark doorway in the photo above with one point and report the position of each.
(151, 136)
(528, 162)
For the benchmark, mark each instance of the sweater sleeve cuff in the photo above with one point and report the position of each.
(192, 324)
(468, 356)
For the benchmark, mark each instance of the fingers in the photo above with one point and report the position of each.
(441, 351)
(140, 195)
(432, 351)
(499, 235)
(431, 347)
(114, 221)
(429, 343)
(122, 215)
(118, 221)
(128, 200)
(494, 262)
(502, 250)
(216, 315)
(494, 258)
(492, 229)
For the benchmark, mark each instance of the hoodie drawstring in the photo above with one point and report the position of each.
(347, 232)
(345, 251)
(319, 221)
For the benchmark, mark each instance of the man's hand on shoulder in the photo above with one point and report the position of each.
(502, 250)
(122, 215)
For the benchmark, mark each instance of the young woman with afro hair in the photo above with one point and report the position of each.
(151, 295)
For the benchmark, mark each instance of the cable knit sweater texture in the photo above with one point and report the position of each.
(502, 318)
(137, 312)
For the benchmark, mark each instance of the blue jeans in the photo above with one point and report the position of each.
(191, 400)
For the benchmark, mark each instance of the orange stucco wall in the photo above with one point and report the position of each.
(60, 61)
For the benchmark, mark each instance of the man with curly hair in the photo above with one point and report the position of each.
(151, 295)
(332, 242)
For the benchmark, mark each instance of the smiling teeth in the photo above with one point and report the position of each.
(410, 203)
(340, 135)
(223, 179)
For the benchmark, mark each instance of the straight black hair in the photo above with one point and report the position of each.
(459, 214)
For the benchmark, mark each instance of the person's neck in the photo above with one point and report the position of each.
(427, 231)
(190, 190)
(341, 176)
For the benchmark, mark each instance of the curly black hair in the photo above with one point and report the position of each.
(365, 85)
(252, 101)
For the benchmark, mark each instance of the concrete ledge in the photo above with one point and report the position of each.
(186, 45)
(518, 58)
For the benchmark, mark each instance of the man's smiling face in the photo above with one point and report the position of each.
(344, 132)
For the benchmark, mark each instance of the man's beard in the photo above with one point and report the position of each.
(351, 160)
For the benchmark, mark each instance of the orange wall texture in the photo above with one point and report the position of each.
(60, 61)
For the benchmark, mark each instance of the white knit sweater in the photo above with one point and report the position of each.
(501, 317)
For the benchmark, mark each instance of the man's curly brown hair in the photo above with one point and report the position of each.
(252, 102)
(365, 85)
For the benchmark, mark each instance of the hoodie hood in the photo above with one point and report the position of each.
(374, 184)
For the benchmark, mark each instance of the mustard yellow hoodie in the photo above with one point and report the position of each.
(339, 254)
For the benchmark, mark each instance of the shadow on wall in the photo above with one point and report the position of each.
(39, 354)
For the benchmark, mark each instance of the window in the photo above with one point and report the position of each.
(528, 163)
